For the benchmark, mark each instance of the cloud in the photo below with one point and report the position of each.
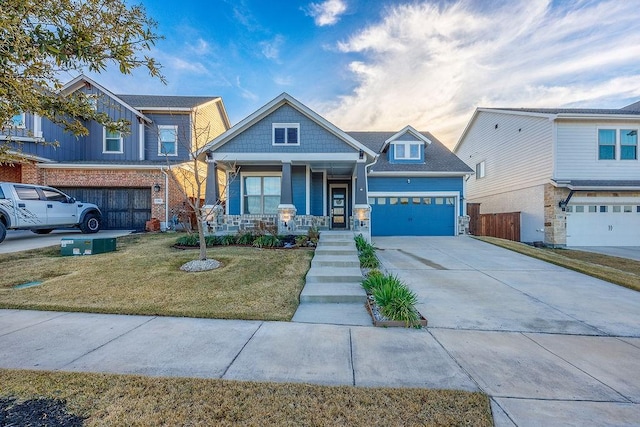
(430, 65)
(200, 47)
(245, 93)
(327, 12)
(283, 80)
(271, 48)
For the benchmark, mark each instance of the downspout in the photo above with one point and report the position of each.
(166, 198)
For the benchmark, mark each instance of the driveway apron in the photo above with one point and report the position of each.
(549, 345)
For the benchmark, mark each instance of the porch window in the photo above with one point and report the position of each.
(286, 134)
(261, 194)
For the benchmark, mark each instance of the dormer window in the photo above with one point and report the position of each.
(286, 134)
(407, 150)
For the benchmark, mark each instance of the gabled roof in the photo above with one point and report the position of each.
(143, 102)
(273, 105)
(633, 107)
(438, 158)
(589, 184)
(82, 80)
(571, 111)
(406, 129)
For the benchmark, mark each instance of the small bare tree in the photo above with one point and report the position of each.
(191, 176)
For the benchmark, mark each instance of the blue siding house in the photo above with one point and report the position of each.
(287, 166)
(127, 174)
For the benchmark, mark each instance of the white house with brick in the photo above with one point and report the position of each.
(573, 174)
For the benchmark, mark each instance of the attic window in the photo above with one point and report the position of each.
(286, 134)
(407, 150)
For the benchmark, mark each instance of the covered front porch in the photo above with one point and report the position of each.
(294, 196)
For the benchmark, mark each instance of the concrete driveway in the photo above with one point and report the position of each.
(549, 345)
(22, 240)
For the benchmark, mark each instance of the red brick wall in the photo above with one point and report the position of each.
(11, 173)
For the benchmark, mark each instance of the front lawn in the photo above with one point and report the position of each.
(621, 271)
(124, 400)
(143, 277)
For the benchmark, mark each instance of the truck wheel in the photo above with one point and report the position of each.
(3, 232)
(43, 230)
(90, 224)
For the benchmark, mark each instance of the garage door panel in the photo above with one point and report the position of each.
(412, 216)
(122, 208)
(603, 225)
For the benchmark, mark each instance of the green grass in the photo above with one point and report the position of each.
(143, 277)
(621, 271)
(125, 400)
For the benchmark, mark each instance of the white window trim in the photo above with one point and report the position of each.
(260, 174)
(175, 129)
(618, 144)
(104, 143)
(407, 149)
(483, 170)
(275, 126)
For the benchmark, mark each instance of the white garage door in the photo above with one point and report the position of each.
(602, 224)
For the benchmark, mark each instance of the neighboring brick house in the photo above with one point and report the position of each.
(292, 168)
(573, 174)
(126, 175)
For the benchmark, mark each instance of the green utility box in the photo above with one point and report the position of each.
(87, 246)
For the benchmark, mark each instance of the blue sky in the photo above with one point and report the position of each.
(380, 65)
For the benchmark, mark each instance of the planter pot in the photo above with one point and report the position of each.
(391, 323)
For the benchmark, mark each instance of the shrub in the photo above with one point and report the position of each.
(302, 240)
(246, 238)
(373, 282)
(228, 239)
(267, 241)
(396, 301)
(213, 240)
(366, 253)
(188, 240)
(361, 242)
(313, 234)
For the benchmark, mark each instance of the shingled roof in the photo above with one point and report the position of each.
(633, 107)
(165, 101)
(438, 158)
(599, 111)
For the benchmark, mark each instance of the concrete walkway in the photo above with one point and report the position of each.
(333, 292)
(550, 346)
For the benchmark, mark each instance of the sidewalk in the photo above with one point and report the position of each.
(229, 349)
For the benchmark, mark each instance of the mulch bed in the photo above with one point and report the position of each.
(36, 412)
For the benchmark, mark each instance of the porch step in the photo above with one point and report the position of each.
(354, 314)
(346, 260)
(336, 235)
(335, 250)
(337, 243)
(327, 292)
(334, 274)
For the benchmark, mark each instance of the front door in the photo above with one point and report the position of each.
(338, 208)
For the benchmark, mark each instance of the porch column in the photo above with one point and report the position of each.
(212, 210)
(286, 209)
(211, 194)
(361, 209)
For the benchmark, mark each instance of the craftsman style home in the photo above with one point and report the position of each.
(573, 174)
(287, 166)
(125, 173)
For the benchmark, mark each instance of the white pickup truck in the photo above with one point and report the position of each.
(42, 209)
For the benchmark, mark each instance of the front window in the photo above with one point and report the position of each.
(606, 144)
(112, 141)
(407, 151)
(54, 196)
(167, 140)
(628, 144)
(27, 193)
(261, 194)
(286, 134)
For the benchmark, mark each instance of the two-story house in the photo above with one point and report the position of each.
(127, 174)
(574, 174)
(287, 166)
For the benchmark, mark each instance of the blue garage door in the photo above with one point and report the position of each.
(412, 216)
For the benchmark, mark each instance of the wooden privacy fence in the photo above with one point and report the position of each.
(502, 225)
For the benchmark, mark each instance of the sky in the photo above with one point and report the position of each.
(382, 65)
